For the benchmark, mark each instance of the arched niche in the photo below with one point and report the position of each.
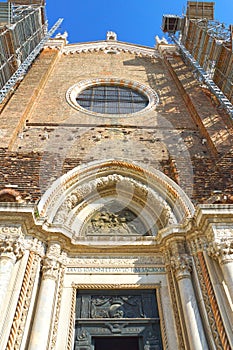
(138, 201)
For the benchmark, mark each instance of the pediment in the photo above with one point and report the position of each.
(111, 47)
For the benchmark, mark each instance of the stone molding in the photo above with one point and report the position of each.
(10, 230)
(12, 248)
(115, 286)
(24, 300)
(202, 276)
(221, 251)
(53, 198)
(57, 309)
(81, 192)
(119, 261)
(181, 265)
(110, 47)
(75, 90)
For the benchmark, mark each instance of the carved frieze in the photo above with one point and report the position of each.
(10, 230)
(117, 261)
(110, 46)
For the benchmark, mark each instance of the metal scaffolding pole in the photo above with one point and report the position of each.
(205, 76)
(21, 71)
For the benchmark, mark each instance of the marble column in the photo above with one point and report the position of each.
(222, 251)
(10, 251)
(196, 336)
(44, 310)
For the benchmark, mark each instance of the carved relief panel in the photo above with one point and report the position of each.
(115, 219)
(121, 314)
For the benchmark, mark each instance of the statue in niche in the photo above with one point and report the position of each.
(114, 220)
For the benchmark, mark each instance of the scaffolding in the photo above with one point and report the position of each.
(207, 44)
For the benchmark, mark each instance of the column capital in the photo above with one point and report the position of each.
(11, 248)
(50, 268)
(54, 250)
(221, 251)
(198, 244)
(182, 265)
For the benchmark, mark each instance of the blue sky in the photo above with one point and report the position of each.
(135, 21)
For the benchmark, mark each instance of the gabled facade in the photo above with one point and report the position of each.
(116, 204)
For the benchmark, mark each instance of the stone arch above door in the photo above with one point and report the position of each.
(86, 193)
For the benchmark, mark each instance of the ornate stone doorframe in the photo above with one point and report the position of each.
(117, 313)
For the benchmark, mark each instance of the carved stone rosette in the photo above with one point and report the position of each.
(221, 251)
(50, 268)
(182, 266)
(11, 247)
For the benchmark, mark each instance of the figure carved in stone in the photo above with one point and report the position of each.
(50, 268)
(114, 220)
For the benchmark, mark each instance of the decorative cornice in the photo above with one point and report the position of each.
(116, 286)
(111, 47)
(221, 251)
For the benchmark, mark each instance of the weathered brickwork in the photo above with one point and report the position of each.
(186, 136)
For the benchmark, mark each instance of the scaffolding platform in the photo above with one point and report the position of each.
(22, 28)
(171, 23)
(200, 9)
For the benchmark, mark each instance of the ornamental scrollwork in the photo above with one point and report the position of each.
(11, 230)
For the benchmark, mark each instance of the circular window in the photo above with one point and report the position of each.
(111, 97)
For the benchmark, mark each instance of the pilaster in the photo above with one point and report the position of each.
(181, 264)
(11, 250)
(44, 311)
